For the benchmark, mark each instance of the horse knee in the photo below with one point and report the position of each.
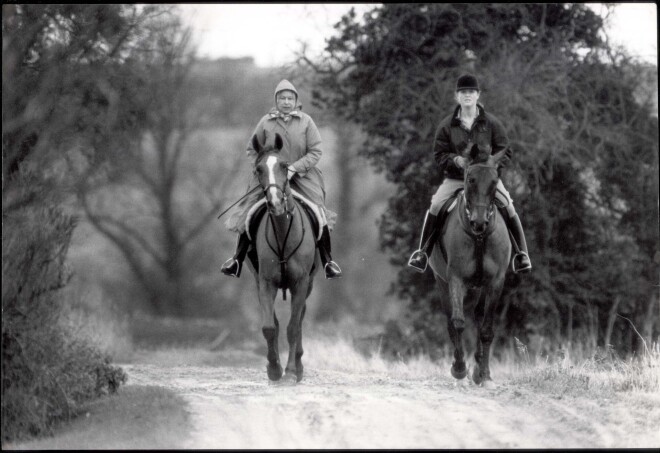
(270, 333)
(458, 324)
(486, 336)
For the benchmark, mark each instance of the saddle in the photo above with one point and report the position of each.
(448, 207)
(257, 211)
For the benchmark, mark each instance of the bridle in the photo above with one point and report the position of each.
(469, 206)
(478, 238)
(280, 248)
(285, 196)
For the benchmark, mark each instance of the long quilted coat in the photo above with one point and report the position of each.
(302, 149)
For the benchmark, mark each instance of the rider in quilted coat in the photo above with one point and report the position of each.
(302, 149)
(468, 124)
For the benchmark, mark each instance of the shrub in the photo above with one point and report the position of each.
(46, 373)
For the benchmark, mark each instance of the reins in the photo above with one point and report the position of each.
(478, 239)
(238, 201)
(281, 249)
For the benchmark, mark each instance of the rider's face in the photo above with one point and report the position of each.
(467, 98)
(286, 101)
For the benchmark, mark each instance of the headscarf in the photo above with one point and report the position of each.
(282, 86)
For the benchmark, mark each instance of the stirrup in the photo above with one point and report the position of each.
(418, 260)
(522, 269)
(332, 270)
(232, 267)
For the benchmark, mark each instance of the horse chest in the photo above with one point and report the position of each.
(467, 259)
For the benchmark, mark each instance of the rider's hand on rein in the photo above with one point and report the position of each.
(290, 173)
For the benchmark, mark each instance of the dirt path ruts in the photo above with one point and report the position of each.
(235, 407)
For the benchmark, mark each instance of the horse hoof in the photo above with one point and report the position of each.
(299, 374)
(274, 372)
(289, 379)
(459, 374)
(489, 384)
(476, 375)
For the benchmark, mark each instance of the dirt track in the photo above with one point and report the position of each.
(235, 407)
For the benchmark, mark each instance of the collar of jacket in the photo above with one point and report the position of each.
(481, 115)
(274, 114)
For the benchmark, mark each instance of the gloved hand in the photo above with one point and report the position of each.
(460, 161)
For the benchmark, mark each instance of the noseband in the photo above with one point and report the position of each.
(490, 206)
(285, 195)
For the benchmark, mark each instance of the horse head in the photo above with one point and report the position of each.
(271, 170)
(481, 178)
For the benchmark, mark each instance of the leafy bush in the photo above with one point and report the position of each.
(46, 373)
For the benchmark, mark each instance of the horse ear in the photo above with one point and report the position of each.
(474, 152)
(255, 144)
(502, 158)
(279, 143)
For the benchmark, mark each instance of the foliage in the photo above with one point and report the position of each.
(568, 102)
(66, 110)
(139, 207)
(46, 372)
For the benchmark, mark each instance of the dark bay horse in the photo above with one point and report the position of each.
(470, 260)
(286, 255)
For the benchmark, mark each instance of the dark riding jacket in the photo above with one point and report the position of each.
(452, 139)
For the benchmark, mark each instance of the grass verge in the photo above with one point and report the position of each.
(136, 417)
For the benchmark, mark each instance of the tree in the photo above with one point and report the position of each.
(141, 210)
(567, 105)
(66, 107)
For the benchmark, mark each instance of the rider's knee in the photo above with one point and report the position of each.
(435, 207)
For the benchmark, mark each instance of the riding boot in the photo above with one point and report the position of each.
(419, 259)
(331, 268)
(521, 262)
(234, 265)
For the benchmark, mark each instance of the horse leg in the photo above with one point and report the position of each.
(478, 354)
(270, 329)
(486, 334)
(294, 331)
(456, 325)
(299, 349)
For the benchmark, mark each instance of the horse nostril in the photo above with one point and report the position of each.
(478, 227)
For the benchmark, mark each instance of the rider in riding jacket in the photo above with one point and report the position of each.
(467, 125)
(302, 149)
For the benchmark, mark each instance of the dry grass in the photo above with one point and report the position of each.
(568, 372)
(571, 372)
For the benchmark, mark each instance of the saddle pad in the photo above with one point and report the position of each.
(310, 207)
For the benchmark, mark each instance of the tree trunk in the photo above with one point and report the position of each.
(651, 318)
(569, 326)
(611, 318)
(337, 302)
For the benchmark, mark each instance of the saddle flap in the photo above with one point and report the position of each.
(314, 213)
(257, 211)
(254, 216)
